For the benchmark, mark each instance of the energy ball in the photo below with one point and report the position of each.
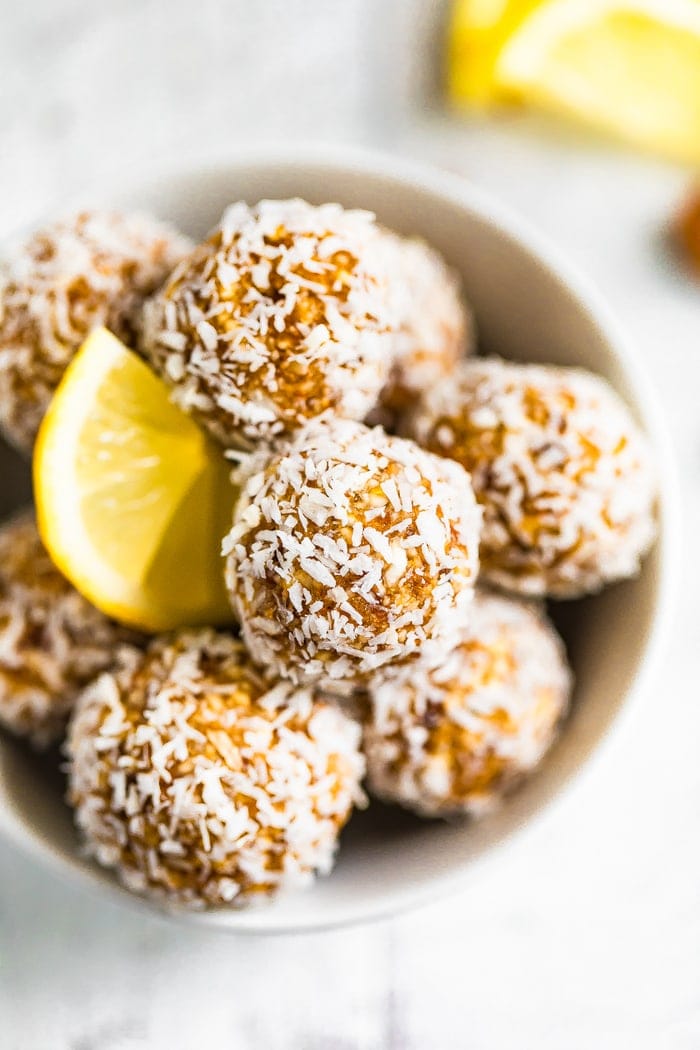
(202, 784)
(52, 641)
(454, 739)
(564, 475)
(435, 327)
(350, 550)
(282, 314)
(90, 269)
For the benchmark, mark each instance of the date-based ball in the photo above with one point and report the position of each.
(435, 327)
(202, 784)
(52, 641)
(351, 549)
(282, 314)
(563, 473)
(456, 738)
(91, 269)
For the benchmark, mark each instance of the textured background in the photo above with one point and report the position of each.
(590, 935)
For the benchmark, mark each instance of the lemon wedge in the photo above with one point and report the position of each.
(132, 498)
(477, 31)
(628, 67)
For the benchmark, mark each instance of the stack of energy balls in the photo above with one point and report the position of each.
(388, 582)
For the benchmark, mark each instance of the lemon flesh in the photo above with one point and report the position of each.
(132, 498)
(629, 68)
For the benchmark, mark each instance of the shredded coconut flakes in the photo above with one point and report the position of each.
(90, 269)
(296, 319)
(52, 641)
(203, 783)
(435, 327)
(564, 475)
(327, 596)
(454, 738)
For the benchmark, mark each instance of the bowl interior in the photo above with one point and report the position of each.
(525, 309)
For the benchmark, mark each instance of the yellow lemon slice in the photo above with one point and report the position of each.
(476, 33)
(629, 67)
(132, 498)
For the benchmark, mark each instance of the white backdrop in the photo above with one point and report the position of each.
(590, 935)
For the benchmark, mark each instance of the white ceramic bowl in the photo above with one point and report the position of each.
(529, 306)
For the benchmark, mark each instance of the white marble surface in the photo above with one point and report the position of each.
(590, 936)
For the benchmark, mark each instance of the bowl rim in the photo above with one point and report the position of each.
(460, 192)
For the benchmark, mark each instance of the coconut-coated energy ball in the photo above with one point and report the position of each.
(563, 473)
(200, 783)
(90, 269)
(282, 314)
(455, 738)
(351, 549)
(52, 641)
(435, 327)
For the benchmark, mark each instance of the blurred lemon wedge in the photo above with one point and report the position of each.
(132, 498)
(627, 67)
(478, 29)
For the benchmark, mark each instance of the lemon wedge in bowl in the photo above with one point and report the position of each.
(132, 497)
(628, 67)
